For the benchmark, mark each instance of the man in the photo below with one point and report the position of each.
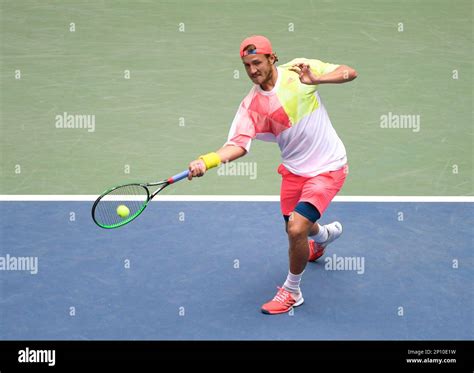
(284, 106)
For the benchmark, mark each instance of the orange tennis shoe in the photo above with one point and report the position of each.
(316, 250)
(284, 301)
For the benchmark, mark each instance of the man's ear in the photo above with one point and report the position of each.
(273, 58)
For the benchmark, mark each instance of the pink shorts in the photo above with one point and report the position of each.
(318, 190)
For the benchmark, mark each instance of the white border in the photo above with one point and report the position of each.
(238, 198)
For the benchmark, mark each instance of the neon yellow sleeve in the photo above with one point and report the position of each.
(318, 67)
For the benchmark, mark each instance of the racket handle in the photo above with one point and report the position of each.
(178, 177)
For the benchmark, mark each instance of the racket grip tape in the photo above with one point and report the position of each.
(178, 177)
(211, 160)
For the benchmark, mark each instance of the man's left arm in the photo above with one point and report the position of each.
(342, 74)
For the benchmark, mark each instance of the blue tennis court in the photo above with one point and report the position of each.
(401, 271)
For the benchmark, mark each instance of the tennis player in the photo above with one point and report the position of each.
(284, 106)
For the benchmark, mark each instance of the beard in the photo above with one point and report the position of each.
(263, 77)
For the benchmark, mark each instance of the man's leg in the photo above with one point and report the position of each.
(307, 198)
(314, 230)
(299, 228)
(321, 236)
(319, 192)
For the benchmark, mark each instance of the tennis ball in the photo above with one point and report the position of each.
(123, 211)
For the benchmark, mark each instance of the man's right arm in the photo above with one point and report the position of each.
(227, 153)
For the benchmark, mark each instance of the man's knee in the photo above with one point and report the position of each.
(296, 229)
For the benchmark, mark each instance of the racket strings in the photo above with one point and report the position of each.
(107, 213)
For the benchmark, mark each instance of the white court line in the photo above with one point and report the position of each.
(238, 198)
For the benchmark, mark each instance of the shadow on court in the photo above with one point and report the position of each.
(201, 270)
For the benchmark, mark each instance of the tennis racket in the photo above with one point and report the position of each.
(122, 204)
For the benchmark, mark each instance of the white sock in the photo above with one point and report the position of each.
(292, 283)
(322, 235)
